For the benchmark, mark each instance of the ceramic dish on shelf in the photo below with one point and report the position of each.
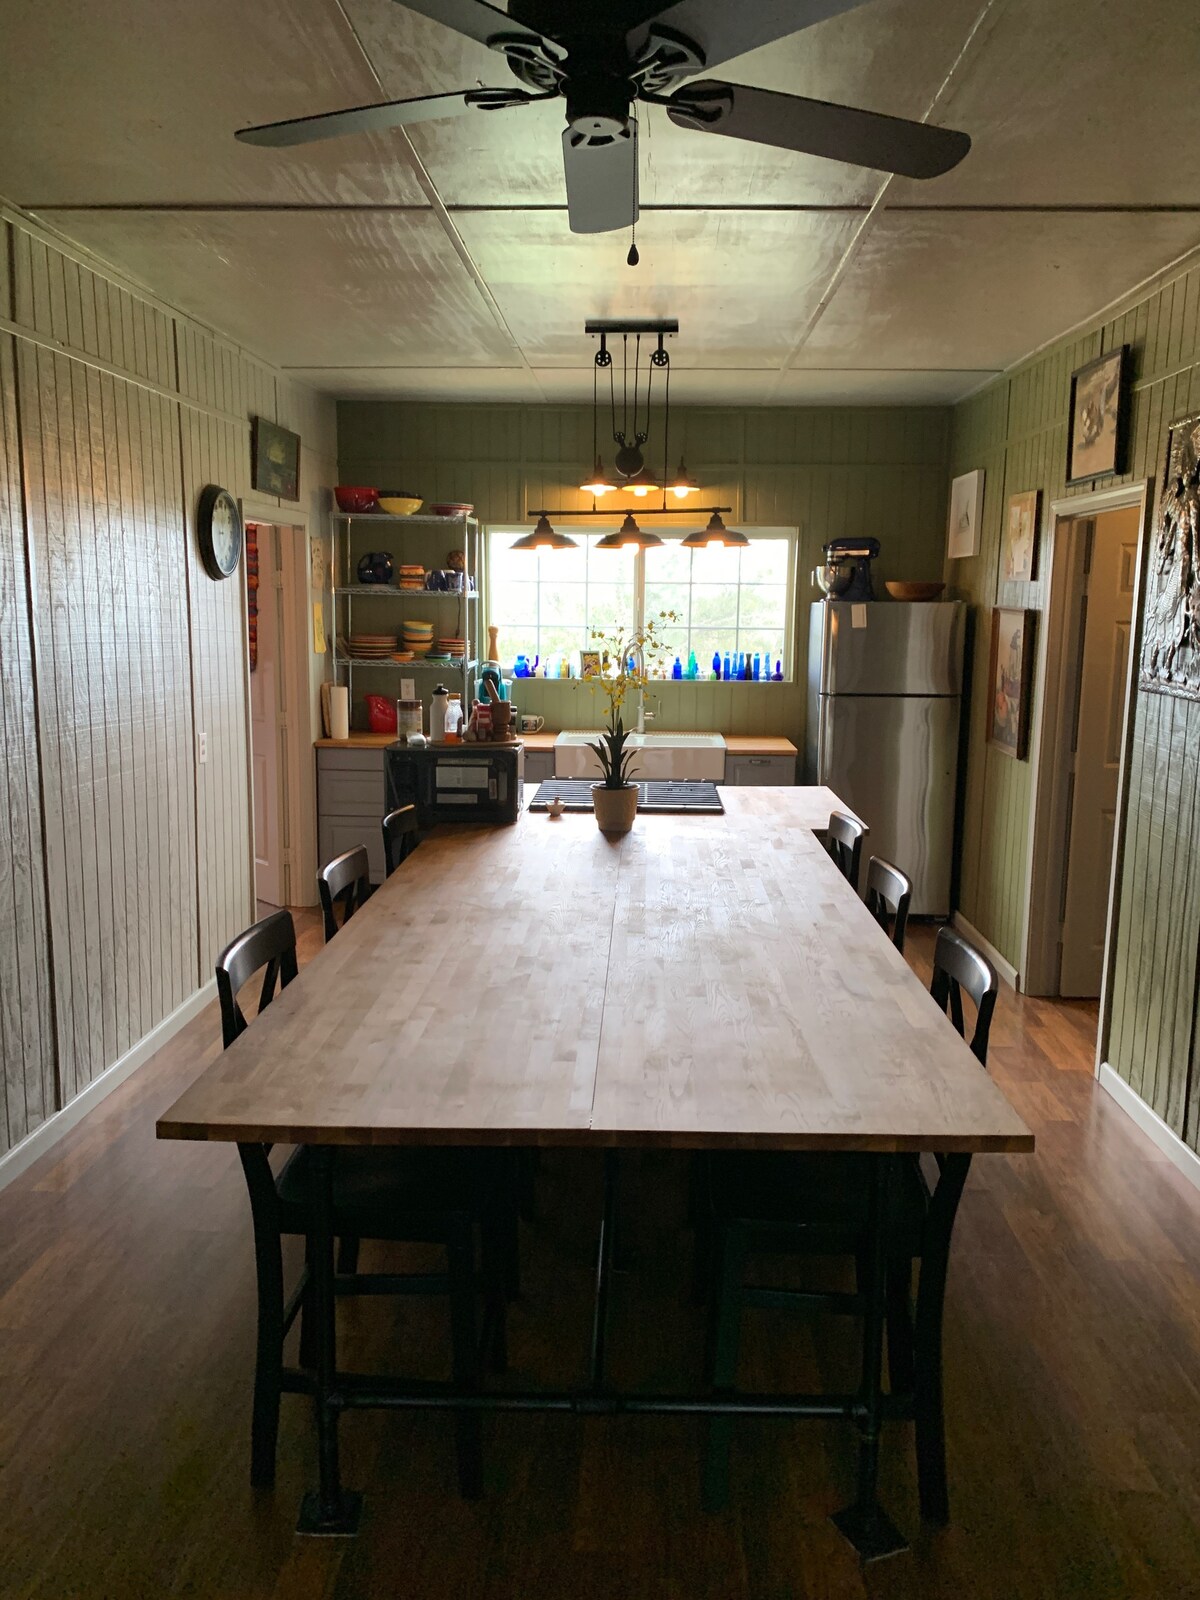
(399, 502)
(354, 499)
(450, 508)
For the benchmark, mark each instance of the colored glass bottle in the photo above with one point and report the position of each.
(677, 669)
(716, 664)
(779, 671)
(726, 673)
(757, 666)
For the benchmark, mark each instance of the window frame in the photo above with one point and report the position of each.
(790, 536)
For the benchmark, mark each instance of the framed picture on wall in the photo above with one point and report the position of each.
(1096, 428)
(1021, 537)
(274, 459)
(966, 509)
(1011, 679)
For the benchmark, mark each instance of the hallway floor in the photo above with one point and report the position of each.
(1073, 1385)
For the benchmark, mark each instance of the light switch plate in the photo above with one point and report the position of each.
(408, 688)
(201, 748)
(858, 616)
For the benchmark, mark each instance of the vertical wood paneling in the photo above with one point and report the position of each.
(27, 1083)
(99, 480)
(1016, 431)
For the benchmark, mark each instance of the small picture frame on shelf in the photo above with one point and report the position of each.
(1096, 426)
(589, 664)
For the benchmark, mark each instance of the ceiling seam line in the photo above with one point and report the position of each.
(991, 10)
(438, 206)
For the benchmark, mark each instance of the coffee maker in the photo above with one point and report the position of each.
(846, 574)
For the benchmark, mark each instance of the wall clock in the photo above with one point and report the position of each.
(219, 528)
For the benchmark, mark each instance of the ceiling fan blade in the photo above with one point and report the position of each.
(379, 118)
(602, 182)
(818, 128)
(475, 19)
(724, 30)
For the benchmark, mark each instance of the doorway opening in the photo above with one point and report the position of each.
(282, 784)
(1088, 647)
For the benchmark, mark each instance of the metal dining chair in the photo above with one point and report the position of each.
(400, 836)
(344, 885)
(443, 1197)
(844, 837)
(816, 1205)
(889, 895)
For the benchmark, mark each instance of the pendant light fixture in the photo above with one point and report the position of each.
(629, 537)
(544, 537)
(681, 483)
(716, 533)
(598, 483)
(642, 483)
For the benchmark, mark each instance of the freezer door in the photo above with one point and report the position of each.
(893, 762)
(896, 647)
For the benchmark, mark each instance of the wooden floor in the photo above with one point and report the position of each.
(1073, 1337)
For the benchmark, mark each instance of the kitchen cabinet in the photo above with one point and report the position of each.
(764, 771)
(351, 800)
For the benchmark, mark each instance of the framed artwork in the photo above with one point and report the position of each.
(589, 663)
(1011, 679)
(1021, 537)
(1170, 661)
(1096, 428)
(274, 459)
(966, 508)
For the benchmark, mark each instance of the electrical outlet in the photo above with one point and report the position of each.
(201, 748)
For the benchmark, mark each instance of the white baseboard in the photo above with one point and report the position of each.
(22, 1156)
(1005, 968)
(1151, 1124)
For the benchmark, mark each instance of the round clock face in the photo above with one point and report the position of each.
(220, 530)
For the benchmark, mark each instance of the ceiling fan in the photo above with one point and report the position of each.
(603, 56)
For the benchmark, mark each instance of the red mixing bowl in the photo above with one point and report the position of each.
(353, 499)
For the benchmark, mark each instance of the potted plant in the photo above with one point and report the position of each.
(629, 659)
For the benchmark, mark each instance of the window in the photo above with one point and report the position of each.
(547, 603)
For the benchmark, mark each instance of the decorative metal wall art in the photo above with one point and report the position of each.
(1171, 632)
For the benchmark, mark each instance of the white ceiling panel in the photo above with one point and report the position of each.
(1091, 102)
(981, 290)
(310, 289)
(858, 386)
(700, 386)
(129, 102)
(482, 385)
(742, 286)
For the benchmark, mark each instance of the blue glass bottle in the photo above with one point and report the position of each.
(757, 666)
(716, 664)
(693, 666)
(727, 672)
(677, 669)
(779, 671)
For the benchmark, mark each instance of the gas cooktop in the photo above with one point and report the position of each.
(576, 795)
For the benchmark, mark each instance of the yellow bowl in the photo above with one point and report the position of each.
(397, 506)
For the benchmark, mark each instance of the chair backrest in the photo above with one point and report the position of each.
(344, 881)
(400, 837)
(844, 840)
(958, 966)
(270, 943)
(889, 895)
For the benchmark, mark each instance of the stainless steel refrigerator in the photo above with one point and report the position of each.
(884, 685)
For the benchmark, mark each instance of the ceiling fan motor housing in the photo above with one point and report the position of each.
(598, 104)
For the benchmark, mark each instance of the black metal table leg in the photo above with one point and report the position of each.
(604, 1265)
(329, 1509)
(866, 1526)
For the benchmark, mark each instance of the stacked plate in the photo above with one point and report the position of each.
(410, 577)
(371, 646)
(455, 648)
(418, 637)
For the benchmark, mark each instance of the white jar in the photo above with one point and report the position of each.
(437, 715)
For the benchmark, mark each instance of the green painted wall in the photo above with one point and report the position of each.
(1016, 430)
(827, 471)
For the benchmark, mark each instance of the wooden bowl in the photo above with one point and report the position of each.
(914, 591)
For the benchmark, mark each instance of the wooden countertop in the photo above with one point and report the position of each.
(738, 744)
(702, 981)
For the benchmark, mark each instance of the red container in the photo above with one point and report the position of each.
(356, 500)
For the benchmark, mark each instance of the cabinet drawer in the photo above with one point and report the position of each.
(354, 793)
(766, 771)
(371, 760)
(539, 765)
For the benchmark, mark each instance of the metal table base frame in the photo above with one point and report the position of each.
(334, 1510)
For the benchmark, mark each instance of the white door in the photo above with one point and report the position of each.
(264, 714)
(1108, 598)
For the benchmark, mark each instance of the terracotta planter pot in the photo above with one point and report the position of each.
(615, 808)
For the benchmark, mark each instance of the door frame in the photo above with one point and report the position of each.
(296, 777)
(1059, 645)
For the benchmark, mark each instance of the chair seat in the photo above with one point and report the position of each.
(825, 1194)
(403, 1194)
